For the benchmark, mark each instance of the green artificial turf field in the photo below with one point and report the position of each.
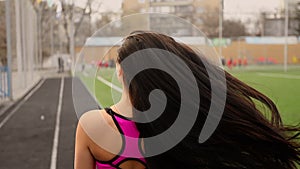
(282, 87)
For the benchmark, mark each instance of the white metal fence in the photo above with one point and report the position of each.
(23, 58)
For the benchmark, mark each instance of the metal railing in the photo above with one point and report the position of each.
(4, 83)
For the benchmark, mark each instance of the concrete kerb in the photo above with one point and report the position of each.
(9, 105)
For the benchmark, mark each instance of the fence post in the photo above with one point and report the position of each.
(8, 46)
(286, 35)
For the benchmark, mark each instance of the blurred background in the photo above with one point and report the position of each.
(256, 41)
(245, 33)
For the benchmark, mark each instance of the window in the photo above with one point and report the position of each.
(184, 9)
(199, 10)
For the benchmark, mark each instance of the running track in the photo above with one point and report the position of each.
(28, 141)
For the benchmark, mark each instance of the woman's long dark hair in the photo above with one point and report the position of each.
(245, 137)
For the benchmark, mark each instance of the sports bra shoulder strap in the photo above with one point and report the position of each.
(109, 111)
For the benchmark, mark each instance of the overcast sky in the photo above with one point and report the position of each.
(231, 7)
(236, 9)
(249, 8)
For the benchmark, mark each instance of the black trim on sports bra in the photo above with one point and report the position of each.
(131, 159)
(110, 162)
(110, 112)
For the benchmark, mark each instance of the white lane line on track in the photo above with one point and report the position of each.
(53, 163)
(109, 84)
(3, 122)
(278, 75)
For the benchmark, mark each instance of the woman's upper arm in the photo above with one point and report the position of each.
(83, 156)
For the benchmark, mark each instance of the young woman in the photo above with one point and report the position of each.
(250, 133)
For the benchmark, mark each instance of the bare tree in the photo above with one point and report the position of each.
(2, 34)
(3, 58)
(44, 14)
(231, 28)
(68, 12)
(297, 18)
(234, 28)
(68, 16)
(210, 20)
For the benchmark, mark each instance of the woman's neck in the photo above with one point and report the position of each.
(124, 106)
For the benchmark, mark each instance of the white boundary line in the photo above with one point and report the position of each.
(20, 104)
(85, 74)
(94, 97)
(109, 84)
(53, 163)
(278, 75)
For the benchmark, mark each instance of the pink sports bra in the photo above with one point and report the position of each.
(130, 148)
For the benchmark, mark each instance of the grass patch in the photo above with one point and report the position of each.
(285, 92)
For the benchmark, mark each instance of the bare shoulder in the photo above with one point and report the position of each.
(89, 115)
(100, 134)
(95, 120)
(98, 126)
